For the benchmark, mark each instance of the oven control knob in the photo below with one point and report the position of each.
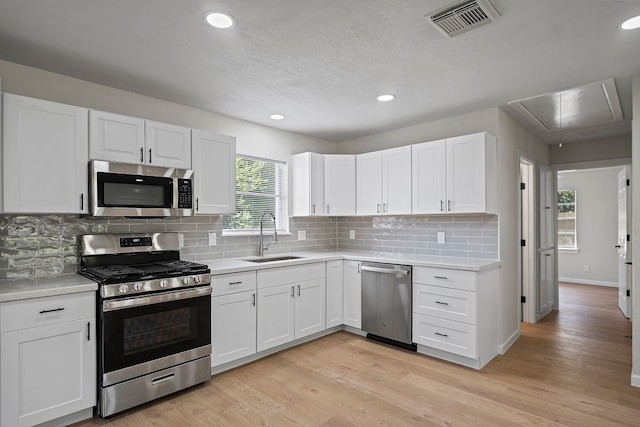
(196, 279)
(163, 283)
(137, 286)
(185, 280)
(123, 289)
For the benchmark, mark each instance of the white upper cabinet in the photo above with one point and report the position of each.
(384, 182)
(546, 200)
(45, 156)
(214, 171)
(307, 172)
(120, 138)
(340, 184)
(466, 165)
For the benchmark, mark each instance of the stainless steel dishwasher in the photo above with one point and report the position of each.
(386, 303)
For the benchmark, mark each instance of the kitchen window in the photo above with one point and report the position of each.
(567, 238)
(261, 186)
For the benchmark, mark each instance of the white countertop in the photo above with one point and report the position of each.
(18, 289)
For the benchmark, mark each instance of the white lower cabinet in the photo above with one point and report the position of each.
(352, 300)
(335, 280)
(291, 304)
(47, 358)
(233, 317)
(455, 314)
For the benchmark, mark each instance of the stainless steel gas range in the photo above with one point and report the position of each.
(154, 317)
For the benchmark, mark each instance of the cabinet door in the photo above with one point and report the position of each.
(428, 182)
(167, 145)
(310, 308)
(47, 372)
(307, 172)
(214, 166)
(546, 201)
(466, 174)
(369, 183)
(352, 313)
(116, 138)
(233, 327)
(335, 279)
(546, 293)
(45, 156)
(275, 316)
(396, 181)
(340, 184)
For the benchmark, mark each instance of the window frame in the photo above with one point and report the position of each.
(574, 218)
(282, 218)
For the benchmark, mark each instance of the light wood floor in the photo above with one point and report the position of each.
(572, 368)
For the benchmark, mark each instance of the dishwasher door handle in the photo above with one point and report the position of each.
(385, 270)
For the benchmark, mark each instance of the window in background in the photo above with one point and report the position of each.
(567, 220)
(261, 186)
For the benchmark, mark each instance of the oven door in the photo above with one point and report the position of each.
(147, 333)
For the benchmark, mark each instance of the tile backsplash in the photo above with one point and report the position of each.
(47, 245)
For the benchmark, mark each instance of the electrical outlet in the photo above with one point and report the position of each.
(587, 268)
(352, 234)
(302, 234)
(212, 238)
(441, 238)
(180, 240)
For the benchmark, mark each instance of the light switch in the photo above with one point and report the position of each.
(180, 240)
(302, 234)
(441, 238)
(352, 234)
(212, 238)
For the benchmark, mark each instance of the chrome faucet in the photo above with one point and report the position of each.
(262, 247)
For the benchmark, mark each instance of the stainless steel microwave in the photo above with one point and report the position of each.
(122, 189)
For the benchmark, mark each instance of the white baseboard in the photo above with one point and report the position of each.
(635, 380)
(588, 282)
(509, 342)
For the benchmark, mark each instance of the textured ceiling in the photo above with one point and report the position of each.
(322, 63)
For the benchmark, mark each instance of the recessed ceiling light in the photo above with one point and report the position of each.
(277, 116)
(386, 98)
(220, 20)
(631, 24)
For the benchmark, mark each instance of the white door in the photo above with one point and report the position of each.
(466, 192)
(45, 156)
(624, 250)
(396, 181)
(369, 183)
(276, 313)
(428, 182)
(340, 184)
(316, 186)
(546, 291)
(335, 279)
(352, 311)
(116, 137)
(233, 327)
(546, 200)
(167, 145)
(214, 172)
(310, 309)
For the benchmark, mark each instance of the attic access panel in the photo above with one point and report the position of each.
(587, 105)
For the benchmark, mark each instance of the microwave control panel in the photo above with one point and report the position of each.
(185, 194)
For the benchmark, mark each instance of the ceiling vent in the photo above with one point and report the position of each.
(462, 17)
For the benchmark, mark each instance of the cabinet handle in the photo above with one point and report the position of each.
(441, 205)
(293, 292)
(547, 254)
(88, 331)
(313, 208)
(384, 208)
(52, 310)
(197, 204)
(141, 155)
(442, 303)
(358, 268)
(254, 299)
(81, 202)
(441, 335)
(235, 283)
(150, 156)
(328, 209)
(298, 290)
(440, 277)
(378, 208)
(448, 205)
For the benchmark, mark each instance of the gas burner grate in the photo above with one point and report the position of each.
(116, 272)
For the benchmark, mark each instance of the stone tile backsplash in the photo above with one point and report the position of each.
(47, 245)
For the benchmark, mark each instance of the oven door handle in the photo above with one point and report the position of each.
(122, 304)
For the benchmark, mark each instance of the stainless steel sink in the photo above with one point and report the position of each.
(274, 258)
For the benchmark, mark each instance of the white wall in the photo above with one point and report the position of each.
(597, 227)
(512, 140)
(635, 206)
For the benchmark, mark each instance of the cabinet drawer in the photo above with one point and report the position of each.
(457, 279)
(454, 337)
(446, 303)
(29, 313)
(224, 284)
(283, 275)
